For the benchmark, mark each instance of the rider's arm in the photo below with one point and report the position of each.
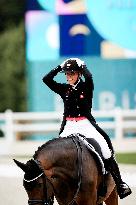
(50, 82)
(88, 77)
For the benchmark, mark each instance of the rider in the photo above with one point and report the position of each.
(77, 118)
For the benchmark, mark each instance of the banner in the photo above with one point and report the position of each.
(114, 85)
(115, 20)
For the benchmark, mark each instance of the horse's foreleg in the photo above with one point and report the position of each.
(113, 198)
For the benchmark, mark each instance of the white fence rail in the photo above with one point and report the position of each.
(17, 125)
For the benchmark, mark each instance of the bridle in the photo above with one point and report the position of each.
(50, 200)
(46, 201)
(37, 201)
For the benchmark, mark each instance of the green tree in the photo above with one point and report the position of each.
(12, 69)
(11, 13)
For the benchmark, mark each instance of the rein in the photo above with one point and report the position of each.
(79, 163)
(37, 201)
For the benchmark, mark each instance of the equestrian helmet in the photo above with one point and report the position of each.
(72, 65)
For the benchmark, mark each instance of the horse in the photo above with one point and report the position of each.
(66, 169)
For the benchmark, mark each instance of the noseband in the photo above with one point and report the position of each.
(45, 201)
(37, 201)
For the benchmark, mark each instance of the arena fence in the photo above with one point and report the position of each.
(18, 128)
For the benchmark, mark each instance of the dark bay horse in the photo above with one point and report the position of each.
(63, 169)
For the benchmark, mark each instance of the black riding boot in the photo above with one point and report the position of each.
(122, 188)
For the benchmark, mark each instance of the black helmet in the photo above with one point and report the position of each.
(72, 64)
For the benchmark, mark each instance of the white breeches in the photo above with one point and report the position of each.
(85, 128)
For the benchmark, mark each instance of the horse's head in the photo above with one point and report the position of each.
(36, 184)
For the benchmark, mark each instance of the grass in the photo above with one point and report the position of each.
(126, 158)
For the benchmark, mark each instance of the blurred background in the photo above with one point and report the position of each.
(36, 36)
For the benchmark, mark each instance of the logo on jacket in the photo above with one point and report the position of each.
(81, 96)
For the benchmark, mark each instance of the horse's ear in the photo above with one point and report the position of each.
(21, 165)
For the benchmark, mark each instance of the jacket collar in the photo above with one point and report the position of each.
(76, 85)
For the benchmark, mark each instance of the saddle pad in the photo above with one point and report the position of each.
(95, 149)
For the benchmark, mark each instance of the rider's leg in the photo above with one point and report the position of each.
(110, 162)
(89, 131)
(104, 134)
(122, 188)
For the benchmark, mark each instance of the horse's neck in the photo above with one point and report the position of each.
(58, 153)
